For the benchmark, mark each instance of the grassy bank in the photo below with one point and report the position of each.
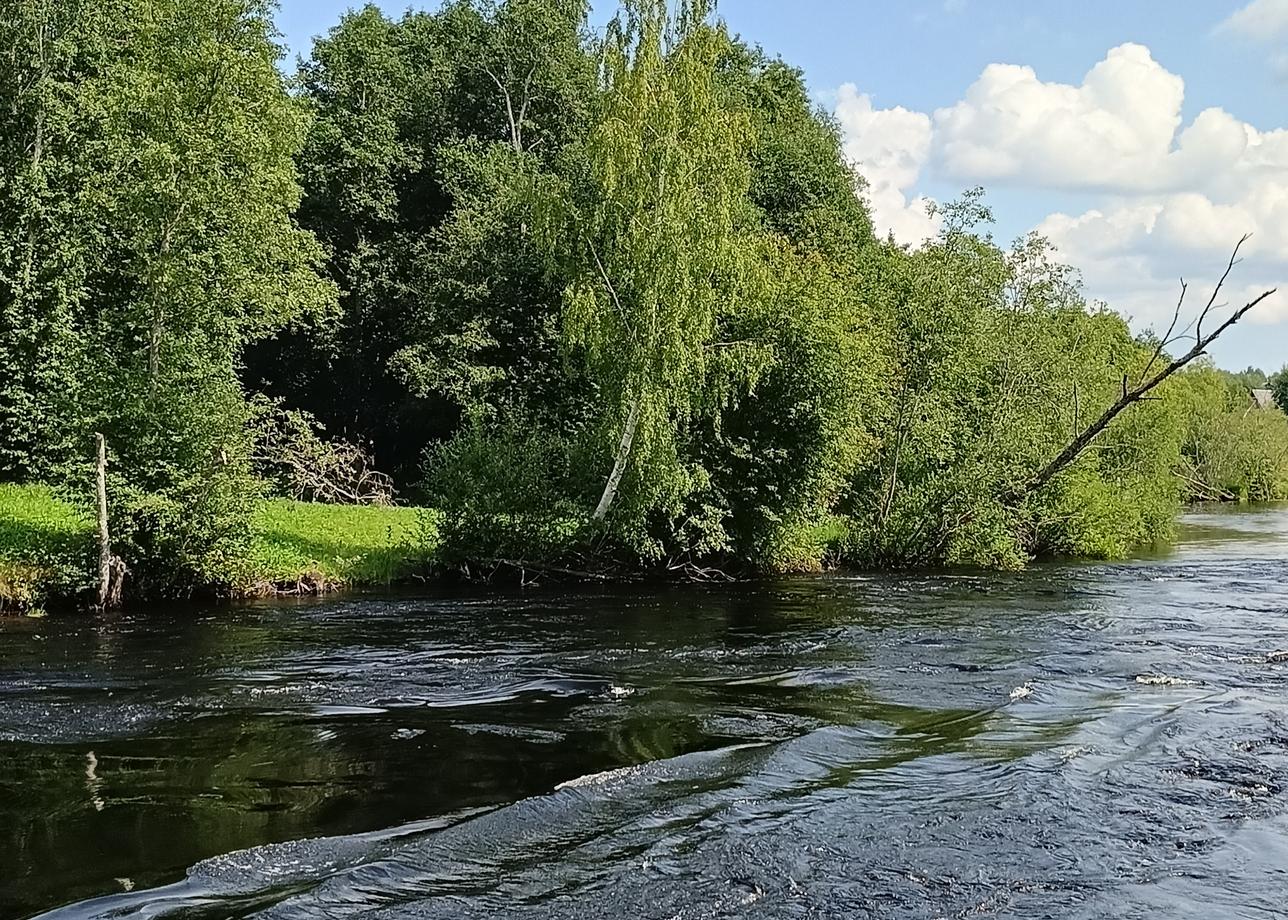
(307, 548)
(47, 548)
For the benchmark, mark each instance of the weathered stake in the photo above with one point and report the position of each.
(111, 568)
(104, 535)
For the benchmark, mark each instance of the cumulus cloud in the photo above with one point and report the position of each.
(1120, 131)
(1260, 20)
(1164, 198)
(1112, 131)
(1133, 253)
(889, 147)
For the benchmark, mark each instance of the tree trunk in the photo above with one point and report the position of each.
(619, 465)
(111, 568)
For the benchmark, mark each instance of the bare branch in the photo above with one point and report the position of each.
(523, 108)
(516, 137)
(612, 291)
(1216, 292)
(1141, 392)
(1167, 336)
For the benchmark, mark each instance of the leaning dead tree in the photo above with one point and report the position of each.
(1149, 380)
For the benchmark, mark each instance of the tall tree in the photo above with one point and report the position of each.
(149, 238)
(199, 135)
(656, 233)
(46, 251)
(423, 127)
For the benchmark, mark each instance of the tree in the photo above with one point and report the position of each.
(780, 454)
(656, 235)
(200, 134)
(1252, 378)
(1278, 384)
(999, 362)
(1230, 453)
(423, 127)
(1149, 380)
(46, 251)
(802, 185)
(533, 54)
(154, 240)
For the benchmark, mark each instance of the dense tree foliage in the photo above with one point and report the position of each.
(148, 239)
(1234, 449)
(603, 300)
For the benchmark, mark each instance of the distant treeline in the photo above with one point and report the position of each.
(606, 300)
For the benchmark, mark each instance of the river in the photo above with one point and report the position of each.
(1071, 741)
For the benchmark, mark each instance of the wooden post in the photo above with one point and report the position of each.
(104, 536)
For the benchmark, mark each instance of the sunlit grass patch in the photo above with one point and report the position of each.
(302, 547)
(46, 547)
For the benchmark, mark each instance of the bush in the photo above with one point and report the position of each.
(181, 488)
(508, 492)
(1232, 451)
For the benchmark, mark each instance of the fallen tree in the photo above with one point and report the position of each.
(1147, 383)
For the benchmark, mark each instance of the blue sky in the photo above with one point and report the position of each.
(1178, 136)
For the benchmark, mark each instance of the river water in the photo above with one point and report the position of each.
(1072, 741)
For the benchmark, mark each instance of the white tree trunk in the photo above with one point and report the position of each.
(619, 465)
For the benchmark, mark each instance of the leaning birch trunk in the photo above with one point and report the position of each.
(619, 465)
(105, 561)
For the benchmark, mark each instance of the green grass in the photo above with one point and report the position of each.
(309, 548)
(46, 547)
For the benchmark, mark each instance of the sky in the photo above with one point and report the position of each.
(1143, 137)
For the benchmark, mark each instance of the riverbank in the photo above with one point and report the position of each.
(47, 548)
(48, 552)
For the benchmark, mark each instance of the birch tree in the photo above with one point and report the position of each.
(657, 237)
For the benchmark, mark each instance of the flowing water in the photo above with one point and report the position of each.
(1072, 741)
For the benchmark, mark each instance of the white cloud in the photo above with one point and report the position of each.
(1113, 131)
(889, 147)
(1134, 253)
(1163, 198)
(1260, 20)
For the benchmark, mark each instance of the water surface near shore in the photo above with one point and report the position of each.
(1071, 741)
